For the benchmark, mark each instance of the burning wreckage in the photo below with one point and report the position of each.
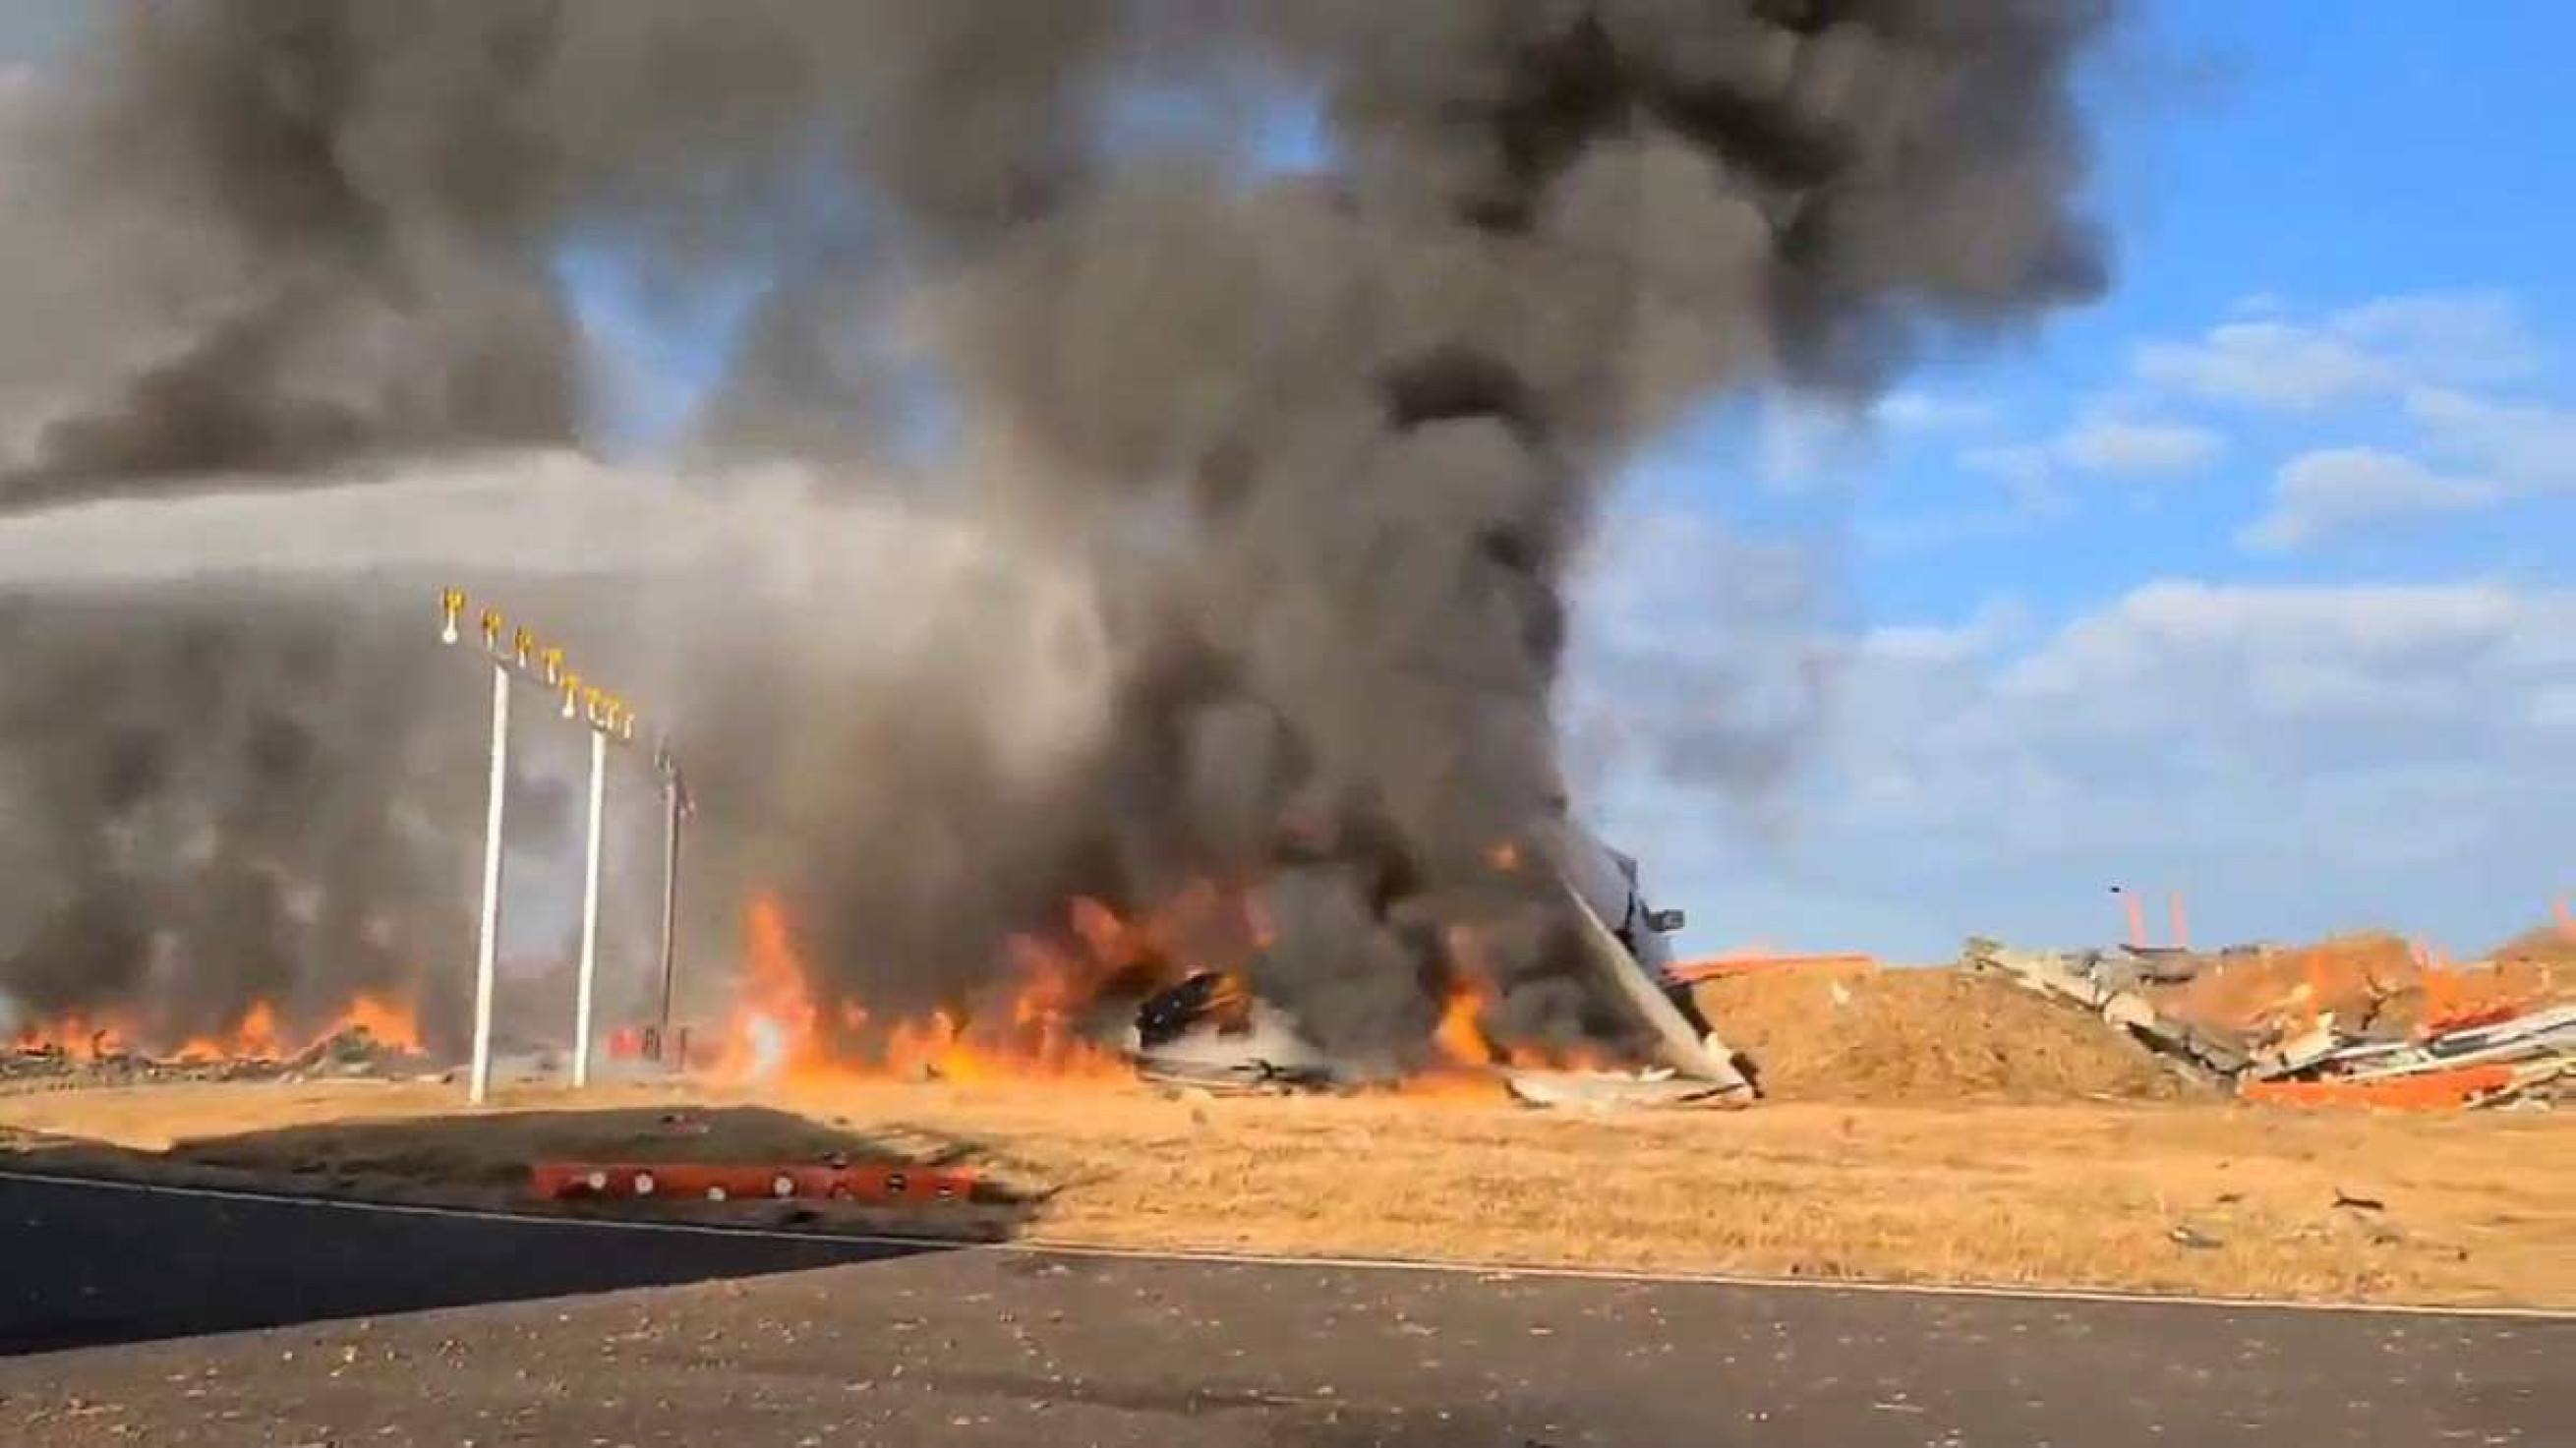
(1172, 996)
(1211, 1032)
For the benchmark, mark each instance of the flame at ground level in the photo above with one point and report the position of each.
(1039, 1020)
(1034, 1023)
(260, 1034)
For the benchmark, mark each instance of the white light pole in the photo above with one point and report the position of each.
(589, 912)
(488, 947)
(675, 808)
(609, 721)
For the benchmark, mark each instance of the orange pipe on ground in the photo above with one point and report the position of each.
(2431, 1091)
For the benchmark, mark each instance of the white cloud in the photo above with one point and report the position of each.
(2530, 445)
(2455, 336)
(2326, 493)
(2028, 472)
(1800, 441)
(2554, 708)
(1928, 412)
(2278, 361)
(2302, 759)
(1996, 624)
(2378, 621)
(2265, 364)
(2102, 444)
(2132, 449)
(1697, 651)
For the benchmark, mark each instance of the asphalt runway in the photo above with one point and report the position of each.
(145, 1317)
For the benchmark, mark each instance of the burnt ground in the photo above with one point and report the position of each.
(553, 1332)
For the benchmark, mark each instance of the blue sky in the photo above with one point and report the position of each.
(2319, 157)
(2250, 580)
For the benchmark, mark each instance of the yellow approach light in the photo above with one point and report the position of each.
(523, 648)
(591, 700)
(451, 608)
(553, 662)
(572, 696)
(492, 626)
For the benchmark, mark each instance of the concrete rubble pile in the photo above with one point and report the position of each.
(2293, 1051)
(2110, 984)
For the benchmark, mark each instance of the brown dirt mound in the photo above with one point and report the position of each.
(1924, 1035)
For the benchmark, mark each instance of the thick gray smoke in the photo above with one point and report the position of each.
(1323, 446)
(222, 792)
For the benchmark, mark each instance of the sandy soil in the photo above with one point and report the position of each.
(2185, 1198)
(1926, 1036)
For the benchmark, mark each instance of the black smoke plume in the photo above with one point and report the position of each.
(1312, 455)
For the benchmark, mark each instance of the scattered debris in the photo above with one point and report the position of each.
(2106, 983)
(1209, 1033)
(1619, 1090)
(2333, 1031)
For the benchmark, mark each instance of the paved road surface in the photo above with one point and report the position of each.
(979, 1348)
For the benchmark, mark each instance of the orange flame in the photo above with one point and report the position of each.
(1460, 1036)
(76, 1035)
(786, 1027)
(789, 1025)
(776, 1028)
(390, 1022)
(1468, 1051)
(260, 1035)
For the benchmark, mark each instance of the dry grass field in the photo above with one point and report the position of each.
(2163, 1197)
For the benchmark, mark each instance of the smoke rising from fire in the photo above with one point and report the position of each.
(1288, 472)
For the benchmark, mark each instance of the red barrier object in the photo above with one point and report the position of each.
(877, 1182)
